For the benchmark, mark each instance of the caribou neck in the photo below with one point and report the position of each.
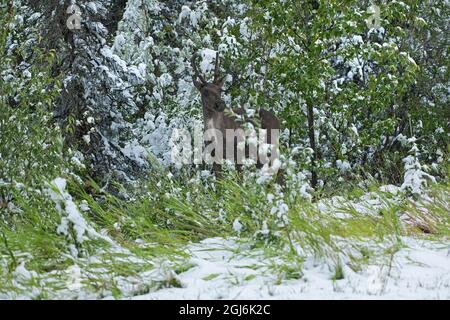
(212, 119)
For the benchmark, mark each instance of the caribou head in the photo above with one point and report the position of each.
(211, 93)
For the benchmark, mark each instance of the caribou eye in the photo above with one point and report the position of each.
(220, 106)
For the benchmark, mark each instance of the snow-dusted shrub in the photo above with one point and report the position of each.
(415, 178)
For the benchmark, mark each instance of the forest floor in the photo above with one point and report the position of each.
(373, 245)
(226, 269)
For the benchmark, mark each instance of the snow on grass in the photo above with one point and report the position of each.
(378, 245)
(226, 269)
(71, 216)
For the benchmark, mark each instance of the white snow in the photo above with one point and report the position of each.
(208, 60)
(237, 226)
(343, 165)
(21, 273)
(71, 216)
(419, 271)
(192, 15)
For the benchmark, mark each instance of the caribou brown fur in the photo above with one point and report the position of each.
(214, 108)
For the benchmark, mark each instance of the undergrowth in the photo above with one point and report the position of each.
(150, 228)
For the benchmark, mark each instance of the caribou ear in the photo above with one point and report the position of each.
(198, 84)
(220, 82)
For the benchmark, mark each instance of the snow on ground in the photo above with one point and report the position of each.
(221, 271)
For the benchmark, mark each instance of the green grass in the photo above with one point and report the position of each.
(155, 224)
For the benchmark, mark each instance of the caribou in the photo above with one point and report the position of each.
(218, 118)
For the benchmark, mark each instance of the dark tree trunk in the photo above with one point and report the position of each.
(312, 142)
(115, 14)
(78, 53)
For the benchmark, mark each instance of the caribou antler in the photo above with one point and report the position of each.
(217, 68)
(197, 74)
(217, 78)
